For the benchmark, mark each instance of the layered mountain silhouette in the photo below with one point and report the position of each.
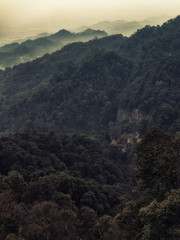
(15, 53)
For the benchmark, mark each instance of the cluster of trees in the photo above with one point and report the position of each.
(48, 192)
(34, 153)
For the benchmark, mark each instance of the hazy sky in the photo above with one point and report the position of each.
(51, 15)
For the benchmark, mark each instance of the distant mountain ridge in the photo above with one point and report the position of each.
(15, 53)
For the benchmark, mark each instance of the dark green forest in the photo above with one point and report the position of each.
(76, 187)
(90, 140)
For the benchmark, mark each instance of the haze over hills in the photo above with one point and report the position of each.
(15, 35)
(11, 34)
(33, 37)
(27, 49)
(15, 53)
(123, 27)
(158, 20)
(117, 27)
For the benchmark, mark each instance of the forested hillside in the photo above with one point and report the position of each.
(94, 87)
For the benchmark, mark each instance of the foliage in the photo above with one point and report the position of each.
(161, 219)
(37, 153)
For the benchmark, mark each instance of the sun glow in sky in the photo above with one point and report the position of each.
(51, 15)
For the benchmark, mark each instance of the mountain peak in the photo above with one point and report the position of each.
(89, 30)
(62, 33)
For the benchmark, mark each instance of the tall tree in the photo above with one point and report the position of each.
(158, 161)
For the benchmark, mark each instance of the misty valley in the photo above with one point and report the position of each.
(90, 133)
